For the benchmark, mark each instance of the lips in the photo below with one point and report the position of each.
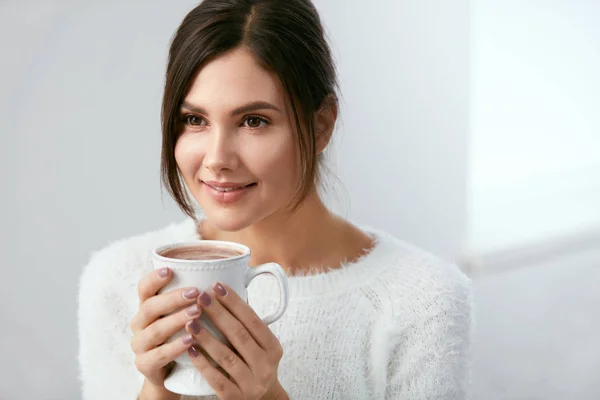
(227, 186)
(229, 189)
(227, 192)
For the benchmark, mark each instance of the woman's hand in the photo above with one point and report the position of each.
(150, 330)
(252, 371)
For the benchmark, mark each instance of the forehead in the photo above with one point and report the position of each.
(233, 79)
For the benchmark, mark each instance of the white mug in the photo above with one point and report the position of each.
(233, 271)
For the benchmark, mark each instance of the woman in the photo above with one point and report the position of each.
(249, 106)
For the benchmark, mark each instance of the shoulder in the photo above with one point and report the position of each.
(123, 262)
(419, 284)
(427, 327)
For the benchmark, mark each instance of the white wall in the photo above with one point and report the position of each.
(534, 193)
(534, 168)
(404, 71)
(80, 96)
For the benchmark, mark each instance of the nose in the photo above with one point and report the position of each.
(221, 152)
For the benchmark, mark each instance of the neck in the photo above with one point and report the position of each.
(297, 241)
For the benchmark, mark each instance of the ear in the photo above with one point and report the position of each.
(325, 118)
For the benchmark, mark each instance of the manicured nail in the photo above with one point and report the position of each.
(187, 340)
(194, 326)
(205, 299)
(220, 290)
(163, 272)
(192, 311)
(193, 352)
(190, 294)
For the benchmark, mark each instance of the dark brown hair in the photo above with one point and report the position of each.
(286, 37)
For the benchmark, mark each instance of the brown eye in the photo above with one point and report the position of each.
(254, 122)
(193, 120)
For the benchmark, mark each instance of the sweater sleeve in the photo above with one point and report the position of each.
(105, 306)
(431, 357)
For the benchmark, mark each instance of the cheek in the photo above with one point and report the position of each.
(275, 162)
(187, 156)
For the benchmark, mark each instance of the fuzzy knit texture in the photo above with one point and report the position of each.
(395, 324)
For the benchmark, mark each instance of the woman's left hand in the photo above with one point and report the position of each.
(253, 371)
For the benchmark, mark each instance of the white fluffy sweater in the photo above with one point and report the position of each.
(396, 324)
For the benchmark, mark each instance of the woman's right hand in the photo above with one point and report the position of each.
(154, 357)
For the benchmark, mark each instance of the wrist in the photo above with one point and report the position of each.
(278, 393)
(151, 391)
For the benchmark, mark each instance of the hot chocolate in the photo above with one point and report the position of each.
(197, 252)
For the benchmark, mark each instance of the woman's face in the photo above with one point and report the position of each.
(237, 150)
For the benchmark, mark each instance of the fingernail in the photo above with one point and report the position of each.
(194, 326)
(193, 352)
(220, 290)
(192, 311)
(205, 299)
(163, 272)
(187, 340)
(190, 294)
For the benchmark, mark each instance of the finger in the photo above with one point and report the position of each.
(246, 315)
(163, 304)
(159, 357)
(233, 329)
(224, 387)
(220, 353)
(150, 284)
(162, 329)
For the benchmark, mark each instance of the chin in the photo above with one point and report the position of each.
(228, 220)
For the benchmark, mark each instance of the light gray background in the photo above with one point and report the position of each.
(80, 89)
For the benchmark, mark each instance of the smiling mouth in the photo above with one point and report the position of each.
(229, 189)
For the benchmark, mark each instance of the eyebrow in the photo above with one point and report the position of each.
(254, 106)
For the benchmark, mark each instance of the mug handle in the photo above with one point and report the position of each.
(284, 293)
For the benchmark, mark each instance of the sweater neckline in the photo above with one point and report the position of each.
(346, 277)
